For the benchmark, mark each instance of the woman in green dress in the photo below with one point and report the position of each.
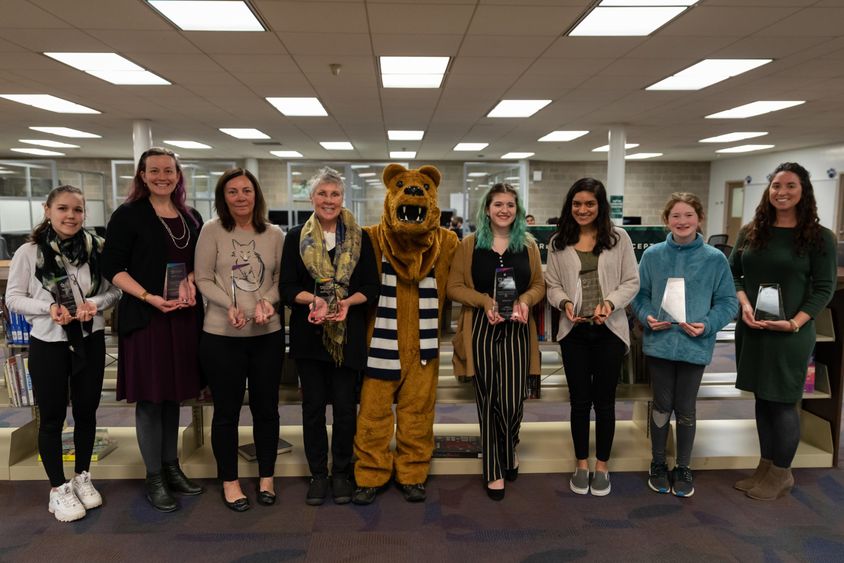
(783, 244)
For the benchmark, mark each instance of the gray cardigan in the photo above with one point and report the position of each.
(618, 275)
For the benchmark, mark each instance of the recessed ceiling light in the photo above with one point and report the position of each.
(746, 148)
(517, 155)
(211, 15)
(366, 174)
(395, 135)
(373, 181)
(39, 152)
(288, 154)
(244, 133)
(402, 154)
(359, 166)
(48, 102)
(470, 146)
(561, 136)
(642, 155)
(110, 67)
(337, 145)
(67, 132)
(754, 108)
(517, 108)
(187, 144)
(606, 148)
(297, 107)
(478, 174)
(46, 143)
(620, 18)
(413, 72)
(706, 73)
(732, 137)
(7, 172)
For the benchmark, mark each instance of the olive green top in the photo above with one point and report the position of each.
(589, 283)
(773, 364)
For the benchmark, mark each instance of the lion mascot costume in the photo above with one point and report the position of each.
(414, 255)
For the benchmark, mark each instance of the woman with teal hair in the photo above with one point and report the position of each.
(496, 338)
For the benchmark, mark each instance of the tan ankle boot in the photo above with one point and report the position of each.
(758, 475)
(776, 483)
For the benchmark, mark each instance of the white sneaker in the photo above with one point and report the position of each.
(85, 491)
(64, 504)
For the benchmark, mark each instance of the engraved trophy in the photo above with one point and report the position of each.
(769, 303)
(68, 293)
(504, 292)
(326, 290)
(175, 282)
(673, 305)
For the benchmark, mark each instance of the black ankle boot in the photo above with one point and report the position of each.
(177, 481)
(158, 495)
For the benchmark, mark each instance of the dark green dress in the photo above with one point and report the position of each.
(773, 364)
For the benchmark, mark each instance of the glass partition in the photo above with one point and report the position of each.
(479, 177)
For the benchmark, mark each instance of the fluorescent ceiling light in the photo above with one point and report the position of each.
(67, 132)
(359, 166)
(470, 146)
(517, 108)
(754, 108)
(402, 154)
(110, 67)
(413, 72)
(706, 73)
(395, 135)
(288, 154)
(46, 143)
(187, 144)
(732, 137)
(39, 152)
(512, 178)
(366, 174)
(746, 148)
(373, 181)
(295, 107)
(337, 145)
(295, 173)
(216, 173)
(642, 155)
(606, 148)
(208, 15)
(244, 133)
(607, 20)
(517, 155)
(478, 174)
(649, 2)
(13, 172)
(48, 102)
(561, 136)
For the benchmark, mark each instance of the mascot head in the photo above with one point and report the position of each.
(410, 206)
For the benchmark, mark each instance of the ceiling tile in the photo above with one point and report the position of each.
(317, 17)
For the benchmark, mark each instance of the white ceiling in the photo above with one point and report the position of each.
(499, 49)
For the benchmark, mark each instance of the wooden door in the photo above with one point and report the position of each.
(733, 208)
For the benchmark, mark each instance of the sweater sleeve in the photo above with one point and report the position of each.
(628, 285)
(536, 291)
(724, 300)
(642, 303)
(457, 289)
(554, 278)
(272, 293)
(108, 296)
(21, 272)
(205, 268)
(823, 275)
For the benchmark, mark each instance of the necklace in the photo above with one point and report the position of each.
(185, 236)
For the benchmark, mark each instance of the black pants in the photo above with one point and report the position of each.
(323, 383)
(592, 357)
(675, 385)
(778, 427)
(49, 368)
(229, 363)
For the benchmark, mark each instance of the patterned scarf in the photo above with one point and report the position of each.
(319, 264)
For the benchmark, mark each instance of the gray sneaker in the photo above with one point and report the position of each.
(683, 481)
(579, 482)
(658, 478)
(601, 483)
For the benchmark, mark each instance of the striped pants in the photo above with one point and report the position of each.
(501, 361)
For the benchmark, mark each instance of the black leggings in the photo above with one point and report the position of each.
(778, 426)
(675, 385)
(52, 382)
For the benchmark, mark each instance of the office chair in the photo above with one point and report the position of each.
(715, 240)
(725, 248)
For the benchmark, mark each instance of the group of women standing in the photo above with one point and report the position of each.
(244, 269)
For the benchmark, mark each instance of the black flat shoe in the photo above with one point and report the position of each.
(494, 494)
(239, 505)
(264, 497)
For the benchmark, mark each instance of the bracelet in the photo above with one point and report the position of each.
(795, 325)
(144, 296)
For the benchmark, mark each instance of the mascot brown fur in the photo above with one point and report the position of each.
(410, 238)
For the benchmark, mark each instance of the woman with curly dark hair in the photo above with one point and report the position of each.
(783, 244)
(591, 276)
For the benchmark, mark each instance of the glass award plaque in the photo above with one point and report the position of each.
(326, 289)
(534, 387)
(504, 291)
(769, 303)
(175, 281)
(65, 294)
(673, 306)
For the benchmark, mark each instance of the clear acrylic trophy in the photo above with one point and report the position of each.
(504, 292)
(769, 303)
(68, 293)
(673, 306)
(326, 289)
(175, 282)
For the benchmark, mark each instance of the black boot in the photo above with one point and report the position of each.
(177, 481)
(158, 495)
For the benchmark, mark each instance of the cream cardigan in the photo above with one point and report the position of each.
(618, 275)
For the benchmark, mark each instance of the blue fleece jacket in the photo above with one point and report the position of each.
(710, 297)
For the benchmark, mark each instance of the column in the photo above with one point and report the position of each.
(615, 167)
(141, 138)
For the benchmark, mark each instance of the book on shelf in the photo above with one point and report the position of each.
(809, 385)
(103, 445)
(249, 453)
(457, 446)
(18, 381)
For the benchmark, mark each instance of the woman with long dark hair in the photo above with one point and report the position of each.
(152, 236)
(66, 347)
(499, 352)
(591, 276)
(783, 244)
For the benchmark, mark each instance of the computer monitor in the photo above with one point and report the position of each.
(445, 217)
(303, 215)
(631, 220)
(280, 217)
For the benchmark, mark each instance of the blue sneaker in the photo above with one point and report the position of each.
(658, 478)
(683, 481)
